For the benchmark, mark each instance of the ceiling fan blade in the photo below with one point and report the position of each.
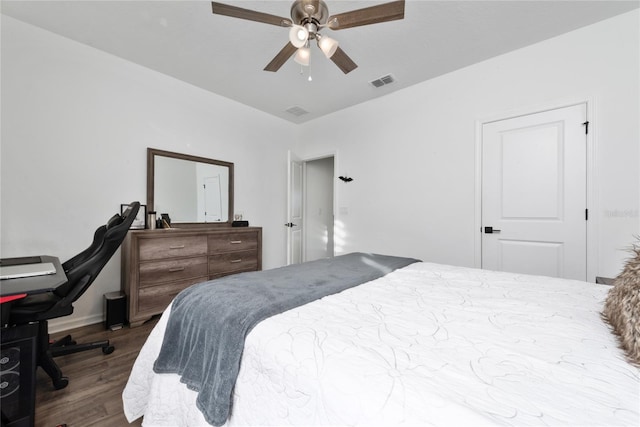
(251, 15)
(281, 57)
(369, 15)
(343, 61)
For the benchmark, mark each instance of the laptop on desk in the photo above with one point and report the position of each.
(18, 271)
(31, 275)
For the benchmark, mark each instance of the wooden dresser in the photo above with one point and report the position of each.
(158, 264)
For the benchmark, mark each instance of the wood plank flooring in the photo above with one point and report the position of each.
(94, 394)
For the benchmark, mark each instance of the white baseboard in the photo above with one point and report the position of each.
(64, 324)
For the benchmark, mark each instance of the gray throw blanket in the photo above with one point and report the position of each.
(204, 338)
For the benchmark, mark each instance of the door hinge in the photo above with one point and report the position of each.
(586, 214)
(586, 127)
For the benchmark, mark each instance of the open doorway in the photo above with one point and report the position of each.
(318, 209)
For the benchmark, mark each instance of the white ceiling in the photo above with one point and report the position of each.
(226, 55)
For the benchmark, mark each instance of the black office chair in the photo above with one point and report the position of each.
(81, 271)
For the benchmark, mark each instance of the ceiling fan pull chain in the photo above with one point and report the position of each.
(309, 66)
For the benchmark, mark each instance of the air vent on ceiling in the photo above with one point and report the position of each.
(296, 111)
(384, 80)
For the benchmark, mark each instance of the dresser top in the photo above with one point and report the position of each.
(192, 230)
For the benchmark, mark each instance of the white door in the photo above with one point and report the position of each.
(212, 199)
(294, 209)
(534, 194)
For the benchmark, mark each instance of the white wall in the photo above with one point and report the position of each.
(76, 123)
(412, 154)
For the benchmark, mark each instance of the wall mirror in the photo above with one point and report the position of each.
(190, 189)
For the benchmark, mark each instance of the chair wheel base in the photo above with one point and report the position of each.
(108, 350)
(60, 383)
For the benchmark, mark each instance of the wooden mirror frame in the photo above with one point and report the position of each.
(151, 155)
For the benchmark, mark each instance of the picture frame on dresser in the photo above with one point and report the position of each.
(140, 222)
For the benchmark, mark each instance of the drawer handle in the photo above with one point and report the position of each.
(176, 247)
(235, 242)
(176, 269)
(235, 261)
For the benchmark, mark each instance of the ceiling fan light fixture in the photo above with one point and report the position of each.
(298, 35)
(327, 45)
(302, 56)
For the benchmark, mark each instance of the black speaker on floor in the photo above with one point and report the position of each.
(17, 375)
(116, 308)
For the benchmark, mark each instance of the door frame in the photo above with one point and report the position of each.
(591, 178)
(304, 160)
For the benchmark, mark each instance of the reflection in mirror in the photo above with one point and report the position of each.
(190, 189)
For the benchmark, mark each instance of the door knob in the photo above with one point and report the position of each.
(290, 224)
(491, 230)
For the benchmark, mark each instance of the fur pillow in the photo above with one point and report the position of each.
(622, 307)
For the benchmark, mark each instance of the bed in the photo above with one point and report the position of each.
(425, 344)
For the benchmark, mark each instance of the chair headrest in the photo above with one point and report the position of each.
(119, 225)
(130, 213)
(113, 221)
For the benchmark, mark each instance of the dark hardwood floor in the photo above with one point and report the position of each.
(94, 394)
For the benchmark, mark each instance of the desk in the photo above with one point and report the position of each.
(18, 348)
(36, 284)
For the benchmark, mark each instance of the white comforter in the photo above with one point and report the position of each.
(425, 345)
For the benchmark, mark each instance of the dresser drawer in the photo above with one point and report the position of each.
(154, 272)
(174, 246)
(155, 299)
(232, 241)
(232, 262)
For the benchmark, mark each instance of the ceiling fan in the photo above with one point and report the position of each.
(308, 17)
